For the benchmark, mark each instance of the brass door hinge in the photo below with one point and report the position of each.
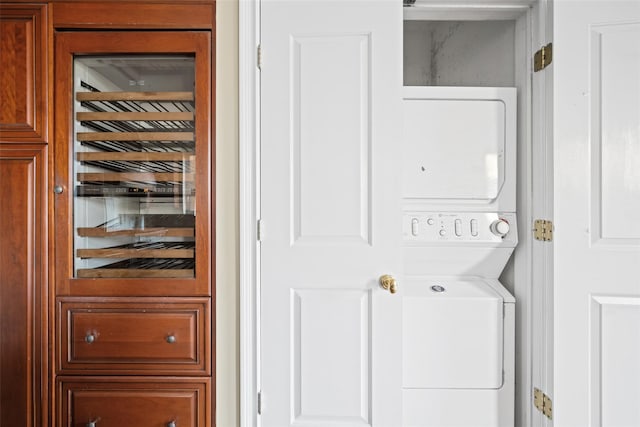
(543, 230)
(543, 57)
(259, 57)
(543, 403)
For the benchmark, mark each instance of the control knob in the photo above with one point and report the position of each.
(499, 227)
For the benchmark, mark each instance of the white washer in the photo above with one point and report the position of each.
(458, 352)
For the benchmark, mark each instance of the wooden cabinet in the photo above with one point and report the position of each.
(132, 177)
(23, 285)
(106, 191)
(24, 311)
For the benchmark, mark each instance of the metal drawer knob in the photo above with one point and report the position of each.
(58, 190)
(90, 338)
(171, 424)
(91, 424)
(171, 339)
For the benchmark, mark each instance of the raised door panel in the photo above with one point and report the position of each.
(134, 335)
(596, 157)
(23, 75)
(614, 119)
(22, 285)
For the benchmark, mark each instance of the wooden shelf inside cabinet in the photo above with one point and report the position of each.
(135, 96)
(135, 136)
(134, 176)
(142, 268)
(139, 116)
(137, 232)
(142, 250)
(147, 225)
(134, 156)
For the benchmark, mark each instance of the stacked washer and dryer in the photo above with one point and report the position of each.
(459, 227)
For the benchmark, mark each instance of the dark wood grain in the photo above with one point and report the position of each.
(134, 402)
(129, 336)
(138, 15)
(130, 379)
(23, 287)
(23, 73)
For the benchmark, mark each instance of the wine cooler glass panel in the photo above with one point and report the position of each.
(134, 167)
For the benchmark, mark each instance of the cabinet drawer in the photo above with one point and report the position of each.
(133, 403)
(134, 336)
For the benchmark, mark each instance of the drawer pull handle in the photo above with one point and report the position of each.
(91, 424)
(90, 338)
(171, 339)
(172, 424)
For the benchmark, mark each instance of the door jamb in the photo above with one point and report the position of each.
(248, 159)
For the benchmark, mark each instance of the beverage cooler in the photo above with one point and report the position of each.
(133, 167)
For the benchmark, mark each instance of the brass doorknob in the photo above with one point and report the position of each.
(388, 283)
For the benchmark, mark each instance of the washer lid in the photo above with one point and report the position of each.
(450, 288)
(452, 334)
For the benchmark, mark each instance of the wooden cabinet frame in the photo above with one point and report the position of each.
(187, 27)
(67, 44)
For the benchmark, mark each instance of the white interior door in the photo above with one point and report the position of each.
(330, 104)
(596, 70)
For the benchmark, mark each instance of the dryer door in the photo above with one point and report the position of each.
(459, 145)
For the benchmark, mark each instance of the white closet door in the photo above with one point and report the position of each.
(330, 127)
(596, 68)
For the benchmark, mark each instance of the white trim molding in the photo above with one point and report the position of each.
(249, 209)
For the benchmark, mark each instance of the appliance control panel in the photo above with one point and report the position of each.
(451, 227)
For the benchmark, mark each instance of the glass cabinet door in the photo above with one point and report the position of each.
(138, 163)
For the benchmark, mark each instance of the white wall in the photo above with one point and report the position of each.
(227, 270)
(459, 53)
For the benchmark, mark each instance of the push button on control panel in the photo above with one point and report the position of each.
(474, 227)
(458, 227)
(414, 226)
